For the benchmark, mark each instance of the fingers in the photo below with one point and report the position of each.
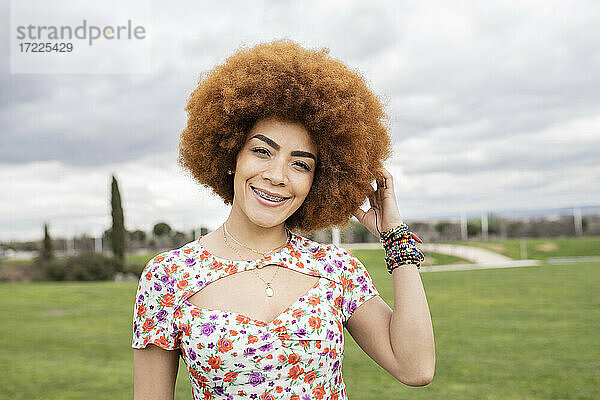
(359, 214)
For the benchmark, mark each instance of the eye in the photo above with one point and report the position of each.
(303, 165)
(260, 150)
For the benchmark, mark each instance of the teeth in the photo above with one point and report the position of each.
(268, 196)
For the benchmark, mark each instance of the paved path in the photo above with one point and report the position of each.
(482, 258)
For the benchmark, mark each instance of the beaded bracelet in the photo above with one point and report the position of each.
(400, 247)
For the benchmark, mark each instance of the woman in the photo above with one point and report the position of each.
(292, 139)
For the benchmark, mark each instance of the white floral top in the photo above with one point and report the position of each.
(297, 356)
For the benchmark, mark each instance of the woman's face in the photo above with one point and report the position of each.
(274, 171)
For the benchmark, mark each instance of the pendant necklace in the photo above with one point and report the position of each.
(269, 289)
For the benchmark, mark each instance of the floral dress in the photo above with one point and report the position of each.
(297, 356)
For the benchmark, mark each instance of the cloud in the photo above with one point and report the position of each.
(491, 105)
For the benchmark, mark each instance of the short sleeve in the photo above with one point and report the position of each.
(153, 313)
(358, 287)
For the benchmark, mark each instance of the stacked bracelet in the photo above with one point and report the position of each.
(400, 247)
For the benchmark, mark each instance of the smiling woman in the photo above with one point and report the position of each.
(292, 139)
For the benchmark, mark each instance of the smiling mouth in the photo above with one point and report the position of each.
(266, 196)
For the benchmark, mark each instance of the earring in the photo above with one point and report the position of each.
(229, 172)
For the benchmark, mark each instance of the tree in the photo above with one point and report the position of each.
(47, 254)
(118, 223)
(161, 229)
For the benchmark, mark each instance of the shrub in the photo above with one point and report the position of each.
(84, 267)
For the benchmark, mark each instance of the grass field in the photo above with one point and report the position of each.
(541, 249)
(512, 333)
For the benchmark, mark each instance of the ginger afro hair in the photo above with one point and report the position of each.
(281, 79)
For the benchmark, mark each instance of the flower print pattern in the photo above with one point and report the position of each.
(229, 355)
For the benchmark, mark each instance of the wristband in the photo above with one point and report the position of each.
(400, 247)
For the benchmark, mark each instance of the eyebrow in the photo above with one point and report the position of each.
(274, 145)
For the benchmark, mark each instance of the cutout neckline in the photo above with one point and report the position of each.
(262, 323)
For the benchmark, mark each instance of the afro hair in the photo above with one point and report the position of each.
(281, 79)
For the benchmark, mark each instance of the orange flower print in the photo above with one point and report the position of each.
(348, 284)
(230, 376)
(216, 265)
(295, 397)
(314, 300)
(280, 329)
(215, 362)
(167, 300)
(294, 358)
(174, 267)
(300, 264)
(233, 333)
(319, 392)
(314, 322)
(303, 343)
(231, 269)
(158, 259)
(205, 254)
(148, 275)
(162, 342)
(295, 254)
(188, 251)
(186, 328)
(333, 353)
(267, 396)
(309, 377)
(353, 263)
(196, 312)
(207, 395)
(252, 339)
(297, 313)
(333, 395)
(141, 311)
(242, 319)
(282, 358)
(319, 254)
(148, 325)
(224, 345)
(338, 302)
(182, 284)
(178, 313)
(279, 389)
(295, 372)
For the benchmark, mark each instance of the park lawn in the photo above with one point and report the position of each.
(512, 333)
(542, 249)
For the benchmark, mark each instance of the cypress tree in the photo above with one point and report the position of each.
(47, 254)
(118, 224)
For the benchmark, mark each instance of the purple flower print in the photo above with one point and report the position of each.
(338, 263)
(306, 397)
(213, 317)
(219, 390)
(330, 335)
(265, 336)
(360, 279)
(190, 262)
(207, 329)
(192, 354)
(364, 288)
(268, 367)
(157, 286)
(164, 279)
(265, 347)
(329, 295)
(328, 268)
(336, 364)
(140, 298)
(352, 306)
(176, 252)
(300, 332)
(161, 315)
(256, 379)
(249, 351)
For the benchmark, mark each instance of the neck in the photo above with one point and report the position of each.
(255, 236)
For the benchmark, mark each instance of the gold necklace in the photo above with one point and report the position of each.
(268, 289)
(265, 253)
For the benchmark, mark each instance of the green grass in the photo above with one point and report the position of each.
(512, 333)
(541, 249)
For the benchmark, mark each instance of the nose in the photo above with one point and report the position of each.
(276, 172)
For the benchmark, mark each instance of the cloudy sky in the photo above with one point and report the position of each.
(493, 105)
